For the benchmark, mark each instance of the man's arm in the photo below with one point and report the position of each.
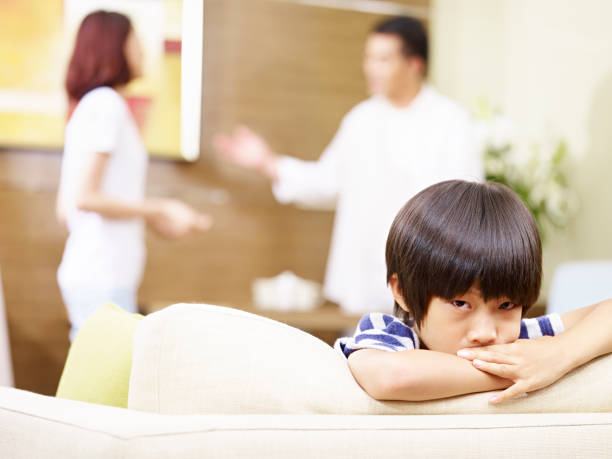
(248, 149)
(416, 375)
(308, 183)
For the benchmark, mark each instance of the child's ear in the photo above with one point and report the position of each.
(397, 292)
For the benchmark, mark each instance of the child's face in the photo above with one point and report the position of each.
(469, 321)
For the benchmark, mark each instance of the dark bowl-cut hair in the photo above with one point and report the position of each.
(456, 234)
(99, 58)
(411, 32)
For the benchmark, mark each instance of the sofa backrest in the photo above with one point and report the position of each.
(192, 359)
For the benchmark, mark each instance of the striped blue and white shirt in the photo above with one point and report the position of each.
(388, 333)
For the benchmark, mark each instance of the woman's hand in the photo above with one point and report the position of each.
(247, 149)
(174, 219)
(530, 363)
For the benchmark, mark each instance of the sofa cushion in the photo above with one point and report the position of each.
(97, 369)
(208, 359)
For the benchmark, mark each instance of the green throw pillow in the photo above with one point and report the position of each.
(98, 366)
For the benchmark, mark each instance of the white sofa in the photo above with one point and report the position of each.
(215, 382)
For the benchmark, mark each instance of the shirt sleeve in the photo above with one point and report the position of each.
(102, 122)
(548, 325)
(312, 183)
(378, 331)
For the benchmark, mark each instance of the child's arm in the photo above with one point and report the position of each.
(418, 374)
(537, 363)
(588, 332)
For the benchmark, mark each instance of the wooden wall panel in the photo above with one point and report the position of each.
(31, 244)
(291, 71)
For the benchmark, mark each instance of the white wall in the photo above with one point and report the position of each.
(548, 65)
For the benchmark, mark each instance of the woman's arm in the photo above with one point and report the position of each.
(416, 375)
(90, 198)
(169, 217)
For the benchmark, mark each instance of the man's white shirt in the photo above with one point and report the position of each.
(380, 157)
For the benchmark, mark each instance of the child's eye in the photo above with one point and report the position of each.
(507, 306)
(460, 304)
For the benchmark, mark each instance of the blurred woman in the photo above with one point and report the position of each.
(101, 195)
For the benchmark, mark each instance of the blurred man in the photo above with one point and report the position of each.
(405, 137)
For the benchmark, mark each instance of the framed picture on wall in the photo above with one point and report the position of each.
(36, 40)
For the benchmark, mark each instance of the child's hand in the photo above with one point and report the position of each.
(530, 363)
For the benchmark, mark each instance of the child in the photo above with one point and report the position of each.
(464, 263)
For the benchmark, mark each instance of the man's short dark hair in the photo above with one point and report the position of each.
(411, 32)
(456, 234)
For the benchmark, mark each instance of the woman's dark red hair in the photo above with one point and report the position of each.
(99, 58)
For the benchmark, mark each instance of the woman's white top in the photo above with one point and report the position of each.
(103, 252)
(380, 157)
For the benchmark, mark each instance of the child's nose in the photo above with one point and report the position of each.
(483, 333)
